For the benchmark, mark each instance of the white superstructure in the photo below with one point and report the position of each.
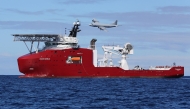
(123, 51)
(62, 42)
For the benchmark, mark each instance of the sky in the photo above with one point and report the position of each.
(158, 30)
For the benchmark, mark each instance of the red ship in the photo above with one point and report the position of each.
(63, 57)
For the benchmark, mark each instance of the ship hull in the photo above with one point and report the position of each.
(53, 63)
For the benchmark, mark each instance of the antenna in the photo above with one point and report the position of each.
(60, 30)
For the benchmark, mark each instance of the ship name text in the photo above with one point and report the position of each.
(46, 59)
(177, 69)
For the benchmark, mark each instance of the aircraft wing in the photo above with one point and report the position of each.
(102, 28)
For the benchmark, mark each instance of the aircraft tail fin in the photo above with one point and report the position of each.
(115, 23)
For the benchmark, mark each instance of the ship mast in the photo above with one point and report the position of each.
(75, 29)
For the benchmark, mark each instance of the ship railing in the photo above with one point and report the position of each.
(163, 66)
(34, 38)
(167, 66)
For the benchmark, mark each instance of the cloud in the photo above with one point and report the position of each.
(34, 25)
(175, 9)
(5, 55)
(51, 11)
(25, 12)
(80, 1)
(54, 11)
(178, 41)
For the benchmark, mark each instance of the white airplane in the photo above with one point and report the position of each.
(101, 26)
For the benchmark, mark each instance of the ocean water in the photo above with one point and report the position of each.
(94, 93)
